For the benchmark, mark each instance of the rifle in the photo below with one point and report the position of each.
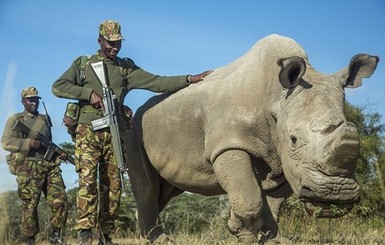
(49, 122)
(52, 148)
(110, 118)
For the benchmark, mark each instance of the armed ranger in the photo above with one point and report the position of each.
(110, 118)
(52, 151)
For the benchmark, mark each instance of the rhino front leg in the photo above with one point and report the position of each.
(275, 198)
(236, 176)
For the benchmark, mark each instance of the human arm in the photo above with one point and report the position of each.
(13, 141)
(142, 79)
(66, 86)
(198, 77)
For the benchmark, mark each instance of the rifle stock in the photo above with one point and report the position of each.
(52, 148)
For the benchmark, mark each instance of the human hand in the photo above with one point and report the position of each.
(63, 156)
(198, 77)
(96, 101)
(35, 144)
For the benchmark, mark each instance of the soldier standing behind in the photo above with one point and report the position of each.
(93, 149)
(34, 174)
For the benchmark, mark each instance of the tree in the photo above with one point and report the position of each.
(370, 164)
(191, 213)
(68, 147)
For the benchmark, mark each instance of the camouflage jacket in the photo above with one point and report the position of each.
(16, 142)
(134, 77)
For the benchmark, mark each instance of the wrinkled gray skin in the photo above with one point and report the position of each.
(259, 129)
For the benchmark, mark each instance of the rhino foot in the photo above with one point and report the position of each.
(156, 234)
(276, 240)
(246, 237)
(163, 239)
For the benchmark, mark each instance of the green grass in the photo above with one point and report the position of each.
(305, 231)
(294, 224)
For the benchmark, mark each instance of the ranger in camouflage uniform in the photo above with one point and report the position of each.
(93, 149)
(34, 174)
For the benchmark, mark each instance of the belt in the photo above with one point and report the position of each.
(86, 108)
(34, 155)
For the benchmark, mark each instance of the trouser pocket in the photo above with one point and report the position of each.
(23, 187)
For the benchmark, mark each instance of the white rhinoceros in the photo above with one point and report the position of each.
(259, 129)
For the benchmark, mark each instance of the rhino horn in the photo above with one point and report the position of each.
(341, 154)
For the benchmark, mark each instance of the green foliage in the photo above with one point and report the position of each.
(68, 147)
(12, 206)
(190, 213)
(370, 131)
(370, 165)
(127, 224)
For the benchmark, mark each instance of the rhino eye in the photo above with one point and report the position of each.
(293, 139)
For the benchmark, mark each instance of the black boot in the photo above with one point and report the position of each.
(56, 237)
(105, 239)
(85, 237)
(30, 240)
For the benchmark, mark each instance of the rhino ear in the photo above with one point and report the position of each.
(292, 70)
(360, 66)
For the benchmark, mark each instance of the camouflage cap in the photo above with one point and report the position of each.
(110, 30)
(30, 92)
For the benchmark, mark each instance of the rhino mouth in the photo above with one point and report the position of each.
(327, 209)
(328, 197)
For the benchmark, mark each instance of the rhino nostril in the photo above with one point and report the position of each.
(293, 139)
(331, 127)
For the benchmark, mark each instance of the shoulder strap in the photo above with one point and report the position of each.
(20, 116)
(46, 119)
(83, 66)
(125, 64)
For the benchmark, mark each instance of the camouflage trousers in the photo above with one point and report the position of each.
(95, 159)
(33, 178)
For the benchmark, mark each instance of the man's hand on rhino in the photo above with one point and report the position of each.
(198, 77)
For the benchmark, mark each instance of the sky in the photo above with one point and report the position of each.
(40, 39)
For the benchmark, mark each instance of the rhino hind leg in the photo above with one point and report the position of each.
(146, 187)
(167, 192)
(155, 232)
(152, 229)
